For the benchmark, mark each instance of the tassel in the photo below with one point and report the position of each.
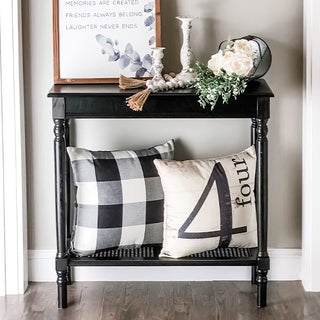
(137, 101)
(131, 83)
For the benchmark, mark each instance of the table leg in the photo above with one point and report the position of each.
(253, 142)
(67, 175)
(67, 143)
(61, 257)
(262, 210)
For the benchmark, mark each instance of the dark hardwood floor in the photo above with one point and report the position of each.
(162, 300)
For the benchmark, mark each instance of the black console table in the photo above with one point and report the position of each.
(108, 101)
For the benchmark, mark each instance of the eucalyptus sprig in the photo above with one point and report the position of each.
(210, 87)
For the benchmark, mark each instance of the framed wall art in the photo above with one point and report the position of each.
(97, 40)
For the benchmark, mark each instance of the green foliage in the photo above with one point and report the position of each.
(210, 87)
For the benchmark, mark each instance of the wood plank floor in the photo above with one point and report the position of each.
(162, 300)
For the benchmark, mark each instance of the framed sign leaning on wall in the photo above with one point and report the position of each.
(97, 40)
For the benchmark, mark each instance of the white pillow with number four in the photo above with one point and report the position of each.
(209, 204)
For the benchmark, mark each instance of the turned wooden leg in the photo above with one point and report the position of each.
(262, 281)
(263, 263)
(61, 257)
(253, 142)
(67, 177)
(67, 181)
(62, 289)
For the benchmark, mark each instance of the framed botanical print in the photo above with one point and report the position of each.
(97, 40)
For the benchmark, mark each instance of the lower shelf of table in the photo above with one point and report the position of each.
(150, 257)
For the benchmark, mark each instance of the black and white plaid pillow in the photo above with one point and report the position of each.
(119, 198)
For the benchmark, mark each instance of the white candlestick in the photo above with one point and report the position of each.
(186, 53)
(157, 55)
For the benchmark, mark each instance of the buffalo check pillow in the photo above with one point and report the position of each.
(208, 204)
(119, 198)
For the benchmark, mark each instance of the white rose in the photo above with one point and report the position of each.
(216, 63)
(237, 63)
(245, 47)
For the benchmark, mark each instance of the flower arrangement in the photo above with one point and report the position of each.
(227, 72)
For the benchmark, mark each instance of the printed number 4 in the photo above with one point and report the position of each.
(225, 233)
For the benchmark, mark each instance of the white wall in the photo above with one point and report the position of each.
(278, 22)
(13, 206)
(311, 110)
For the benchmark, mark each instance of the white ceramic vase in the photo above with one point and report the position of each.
(186, 55)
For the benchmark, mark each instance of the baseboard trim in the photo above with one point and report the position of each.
(285, 265)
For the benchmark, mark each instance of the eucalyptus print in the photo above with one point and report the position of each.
(130, 58)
